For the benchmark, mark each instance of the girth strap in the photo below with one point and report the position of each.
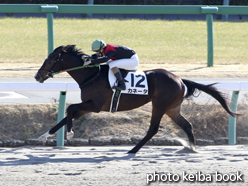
(115, 101)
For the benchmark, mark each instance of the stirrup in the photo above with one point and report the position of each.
(120, 87)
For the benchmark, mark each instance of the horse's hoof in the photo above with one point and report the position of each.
(131, 152)
(69, 135)
(190, 149)
(193, 148)
(42, 138)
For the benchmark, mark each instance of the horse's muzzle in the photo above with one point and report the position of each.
(40, 78)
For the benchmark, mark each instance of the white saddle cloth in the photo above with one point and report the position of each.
(137, 82)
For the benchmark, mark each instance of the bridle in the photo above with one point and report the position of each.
(51, 72)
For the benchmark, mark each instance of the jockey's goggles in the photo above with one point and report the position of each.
(97, 51)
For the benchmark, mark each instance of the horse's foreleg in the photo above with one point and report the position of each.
(75, 115)
(153, 129)
(77, 110)
(70, 111)
(73, 112)
(52, 131)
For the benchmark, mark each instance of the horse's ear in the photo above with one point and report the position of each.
(64, 48)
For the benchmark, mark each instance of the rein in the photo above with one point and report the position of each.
(75, 68)
(91, 78)
(80, 67)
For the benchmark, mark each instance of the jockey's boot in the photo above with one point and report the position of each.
(121, 82)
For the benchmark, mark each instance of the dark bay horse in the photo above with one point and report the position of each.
(166, 92)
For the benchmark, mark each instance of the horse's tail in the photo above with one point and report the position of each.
(211, 90)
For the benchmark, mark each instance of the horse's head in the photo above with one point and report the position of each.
(56, 62)
(50, 65)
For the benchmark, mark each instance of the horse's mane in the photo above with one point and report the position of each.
(72, 50)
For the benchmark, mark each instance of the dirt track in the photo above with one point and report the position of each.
(112, 166)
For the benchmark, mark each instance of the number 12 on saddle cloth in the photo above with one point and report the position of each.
(136, 84)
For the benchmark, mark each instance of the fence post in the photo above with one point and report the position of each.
(232, 120)
(49, 10)
(210, 39)
(50, 32)
(225, 16)
(61, 115)
(209, 11)
(90, 2)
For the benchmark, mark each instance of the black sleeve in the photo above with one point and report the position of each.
(104, 59)
(94, 56)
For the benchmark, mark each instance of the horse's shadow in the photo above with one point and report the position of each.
(35, 160)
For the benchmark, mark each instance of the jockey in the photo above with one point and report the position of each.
(116, 57)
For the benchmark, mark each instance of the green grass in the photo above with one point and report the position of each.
(155, 41)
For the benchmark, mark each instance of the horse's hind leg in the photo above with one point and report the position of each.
(153, 129)
(175, 115)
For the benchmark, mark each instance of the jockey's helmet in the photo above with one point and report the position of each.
(97, 45)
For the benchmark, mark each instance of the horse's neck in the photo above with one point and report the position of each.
(81, 76)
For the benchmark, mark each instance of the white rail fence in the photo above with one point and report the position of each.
(63, 87)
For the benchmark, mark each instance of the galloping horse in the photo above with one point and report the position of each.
(166, 92)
